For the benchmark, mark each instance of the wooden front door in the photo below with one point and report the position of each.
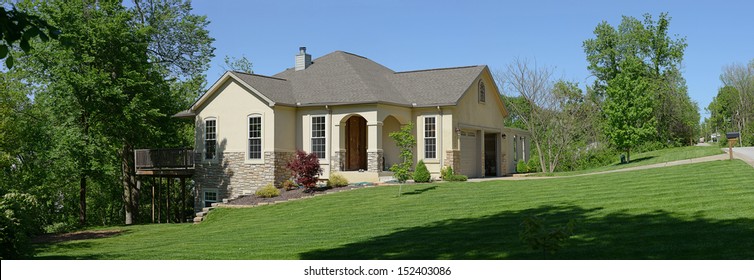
(356, 147)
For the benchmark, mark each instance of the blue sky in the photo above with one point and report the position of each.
(409, 35)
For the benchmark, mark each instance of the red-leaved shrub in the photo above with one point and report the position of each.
(305, 168)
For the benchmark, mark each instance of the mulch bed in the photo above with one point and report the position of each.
(80, 235)
(288, 195)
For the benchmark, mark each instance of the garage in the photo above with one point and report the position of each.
(469, 154)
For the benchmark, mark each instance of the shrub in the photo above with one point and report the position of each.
(337, 181)
(60, 227)
(305, 168)
(421, 174)
(446, 173)
(459, 177)
(288, 185)
(533, 164)
(18, 219)
(268, 191)
(521, 167)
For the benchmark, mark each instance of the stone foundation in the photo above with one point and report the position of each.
(232, 176)
(453, 159)
(374, 161)
(337, 161)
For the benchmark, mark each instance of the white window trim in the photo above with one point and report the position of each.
(259, 160)
(424, 137)
(515, 149)
(326, 158)
(204, 140)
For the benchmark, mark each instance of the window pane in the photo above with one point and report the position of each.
(209, 139)
(318, 136)
(430, 142)
(255, 137)
(430, 147)
(255, 148)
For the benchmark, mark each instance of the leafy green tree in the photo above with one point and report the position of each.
(723, 110)
(21, 27)
(648, 41)
(240, 64)
(114, 86)
(628, 107)
(741, 78)
(405, 141)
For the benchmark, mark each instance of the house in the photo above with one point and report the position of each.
(343, 107)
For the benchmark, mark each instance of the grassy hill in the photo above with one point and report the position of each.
(647, 158)
(696, 211)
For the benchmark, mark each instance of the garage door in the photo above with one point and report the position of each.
(469, 154)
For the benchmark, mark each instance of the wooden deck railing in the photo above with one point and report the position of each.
(180, 158)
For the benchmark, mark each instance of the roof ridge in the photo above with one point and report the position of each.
(439, 69)
(261, 76)
(353, 54)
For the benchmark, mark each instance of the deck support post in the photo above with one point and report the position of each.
(167, 200)
(183, 200)
(153, 200)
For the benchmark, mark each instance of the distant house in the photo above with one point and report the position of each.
(343, 107)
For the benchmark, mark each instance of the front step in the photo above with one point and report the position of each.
(201, 215)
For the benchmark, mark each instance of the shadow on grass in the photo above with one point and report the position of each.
(635, 160)
(420, 191)
(657, 235)
(67, 246)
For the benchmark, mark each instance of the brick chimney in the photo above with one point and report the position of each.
(303, 59)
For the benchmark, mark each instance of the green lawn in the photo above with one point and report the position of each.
(647, 158)
(696, 211)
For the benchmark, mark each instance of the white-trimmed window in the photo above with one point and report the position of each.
(482, 95)
(319, 141)
(430, 137)
(210, 138)
(255, 137)
(515, 148)
(209, 196)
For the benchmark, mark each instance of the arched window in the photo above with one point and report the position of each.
(481, 91)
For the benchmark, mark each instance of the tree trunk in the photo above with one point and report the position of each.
(628, 155)
(82, 200)
(130, 186)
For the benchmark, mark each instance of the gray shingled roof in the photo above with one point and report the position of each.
(279, 90)
(345, 78)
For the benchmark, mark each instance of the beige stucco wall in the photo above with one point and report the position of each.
(445, 135)
(231, 107)
(482, 118)
(285, 129)
(488, 115)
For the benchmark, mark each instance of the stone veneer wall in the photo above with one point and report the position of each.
(336, 160)
(233, 177)
(453, 159)
(374, 161)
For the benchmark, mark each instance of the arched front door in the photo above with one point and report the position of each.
(356, 143)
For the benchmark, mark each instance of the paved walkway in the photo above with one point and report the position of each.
(746, 154)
